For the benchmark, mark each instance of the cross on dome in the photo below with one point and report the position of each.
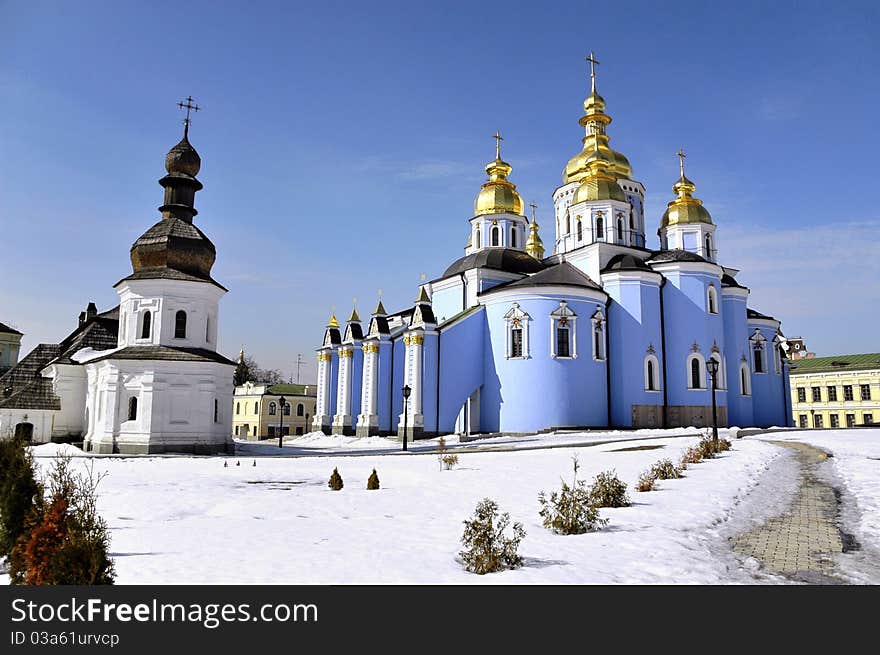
(681, 157)
(187, 103)
(593, 63)
(498, 139)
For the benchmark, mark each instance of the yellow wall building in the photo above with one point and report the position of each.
(256, 412)
(836, 392)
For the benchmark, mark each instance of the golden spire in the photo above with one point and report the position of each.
(498, 195)
(333, 323)
(380, 308)
(594, 121)
(353, 317)
(534, 245)
(684, 208)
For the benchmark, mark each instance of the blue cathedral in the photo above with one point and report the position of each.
(605, 332)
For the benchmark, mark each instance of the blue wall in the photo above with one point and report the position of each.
(633, 325)
(461, 365)
(767, 388)
(736, 338)
(357, 378)
(524, 395)
(383, 391)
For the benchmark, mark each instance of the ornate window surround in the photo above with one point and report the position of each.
(516, 318)
(696, 354)
(598, 321)
(757, 342)
(563, 316)
(652, 358)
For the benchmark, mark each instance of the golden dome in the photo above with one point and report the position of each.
(685, 208)
(498, 195)
(534, 245)
(594, 121)
(600, 182)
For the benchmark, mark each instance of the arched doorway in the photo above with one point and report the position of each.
(24, 431)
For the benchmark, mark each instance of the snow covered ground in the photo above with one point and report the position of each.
(191, 520)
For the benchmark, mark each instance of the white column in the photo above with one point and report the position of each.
(368, 418)
(343, 393)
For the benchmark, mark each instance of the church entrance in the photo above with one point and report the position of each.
(24, 431)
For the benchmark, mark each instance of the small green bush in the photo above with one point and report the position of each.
(373, 481)
(570, 511)
(646, 482)
(665, 470)
(486, 548)
(335, 482)
(608, 491)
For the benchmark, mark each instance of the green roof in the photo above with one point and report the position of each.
(865, 362)
(292, 390)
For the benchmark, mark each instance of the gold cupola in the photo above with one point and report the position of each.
(498, 195)
(534, 245)
(685, 208)
(600, 182)
(594, 121)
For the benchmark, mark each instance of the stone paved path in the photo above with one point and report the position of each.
(800, 543)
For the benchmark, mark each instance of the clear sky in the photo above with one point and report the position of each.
(342, 146)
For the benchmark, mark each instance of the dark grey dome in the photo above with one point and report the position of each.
(499, 259)
(676, 255)
(625, 262)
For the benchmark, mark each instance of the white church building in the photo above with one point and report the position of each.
(144, 377)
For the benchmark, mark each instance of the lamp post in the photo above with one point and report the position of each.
(712, 365)
(406, 392)
(281, 402)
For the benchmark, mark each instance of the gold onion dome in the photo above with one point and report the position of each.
(498, 195)
(534, 245)
(600, 182)
(685, 208)
(594, 121)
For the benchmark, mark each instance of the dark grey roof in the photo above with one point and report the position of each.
(381, 324)
(751, 313)
(499, 259)
(564, 275)
(8, 330)
(625, 262)
(162, 273)
(167, 354)
(22, 386)
(729, 281)
(676, 255)
(357, 332)
(335, 336)
(427, 313)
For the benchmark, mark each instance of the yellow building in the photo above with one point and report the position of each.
(836, 392)
(256, 411)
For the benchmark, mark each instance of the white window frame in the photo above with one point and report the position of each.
(598, 321)
(656, 362)
(747, 378)
(712, 295)
(759, 342)
(513, 315)
(722, 371)
(703, 381)
(566, 313)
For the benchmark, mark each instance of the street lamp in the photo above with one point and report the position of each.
(406, 392)
(281, 402)
(712, 365)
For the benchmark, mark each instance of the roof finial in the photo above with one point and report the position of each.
(187, 104)
(593, 63)
(681, 157)
(498, 139)
(534, 207)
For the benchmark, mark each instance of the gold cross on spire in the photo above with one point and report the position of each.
(534, 207)
(593, 63)
(498, 139)
(187, 104)
(681, 157)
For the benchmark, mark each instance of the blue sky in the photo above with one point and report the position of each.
(342, 145)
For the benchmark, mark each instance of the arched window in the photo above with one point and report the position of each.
(238, 408)
(758, 351)
(696, 377)
(600, 228)
(180, 324)
(619, 230)
(652, 373)
(286, 410)
(598, 335)
(712, 300)
(745, 387)
(496, 235)
(477, 239)
(567, 224)
(517, 332)
(216, 411)
(632, 220)
(708, 246)
(272, 408)
(720, 380)
(580, 230)
(132, 408)
(208, 329)
(300, 409)
(563, 332)
(147, 325)
(513, 237)
(256, 408)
